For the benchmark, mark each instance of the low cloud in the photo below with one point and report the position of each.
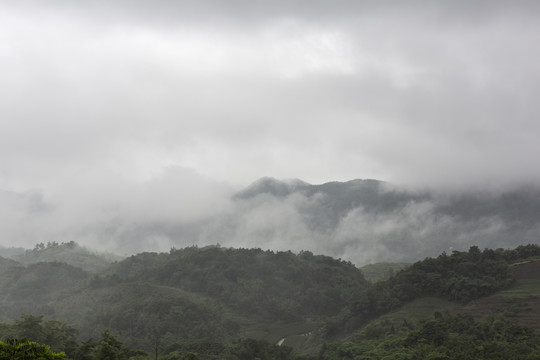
(103, 216)
(122, 122)
(181, 208)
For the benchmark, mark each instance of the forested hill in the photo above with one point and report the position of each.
(221, 294)
(7, 263)
(194, 293)
(69, 253)
(278, 284)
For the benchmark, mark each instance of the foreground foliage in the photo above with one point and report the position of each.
(61, 340)
(23, 349)
(442, 337)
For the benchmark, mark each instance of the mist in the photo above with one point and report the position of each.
(362, 221)
(130, 127)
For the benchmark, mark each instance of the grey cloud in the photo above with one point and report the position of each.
(104, 215)
(181, 208)
(407, 232)
(249, 11)
(101, 100)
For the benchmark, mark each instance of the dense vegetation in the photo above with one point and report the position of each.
(62, 341)
(277, 284)
(23, 349)
(461, 276)
(205, 303)
(382, 271)
(184, 295)
(444, 337)
(33, 288)
(69, 252)
(25, 336)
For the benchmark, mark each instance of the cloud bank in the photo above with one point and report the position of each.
(119, 114)
(407, 92)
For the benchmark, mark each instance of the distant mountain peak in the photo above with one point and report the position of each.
(273, 186)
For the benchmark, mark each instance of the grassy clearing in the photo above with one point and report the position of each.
(419, 309)
(522, 289)
(529, 260)
(521, 301)
(414, 311)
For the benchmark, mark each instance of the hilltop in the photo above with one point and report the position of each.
(69, 253)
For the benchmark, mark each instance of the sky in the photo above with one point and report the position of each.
(108, 105)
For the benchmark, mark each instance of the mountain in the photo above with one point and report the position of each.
(303, 300)
(272, 186)
(520, 204)
(363, 220)
(367, 221)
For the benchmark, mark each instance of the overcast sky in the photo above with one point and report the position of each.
(405, 91)
(102, 97)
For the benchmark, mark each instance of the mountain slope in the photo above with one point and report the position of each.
(281, 284)
(222, 294)
(213, 293)
(34, 288)
(69, 253)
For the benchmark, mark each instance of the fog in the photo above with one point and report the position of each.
(360, 221)
(128, 125)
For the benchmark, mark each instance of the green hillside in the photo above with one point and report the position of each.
(69, 253)
(498, 326)
(521, 301)
(171, 302)
(36, 288)
(279, 285)
(210, 293)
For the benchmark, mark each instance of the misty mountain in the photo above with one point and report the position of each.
(362, 221)
(517, 205)
(336, 199)
(6, 263)
(269, 185)
(70, 253)
(368, 221)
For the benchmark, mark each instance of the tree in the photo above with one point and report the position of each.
(23, 349)
(29, 327)
(110, 348)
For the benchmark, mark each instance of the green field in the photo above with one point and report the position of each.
(419, 309)
(526, 288)
(520, 301)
